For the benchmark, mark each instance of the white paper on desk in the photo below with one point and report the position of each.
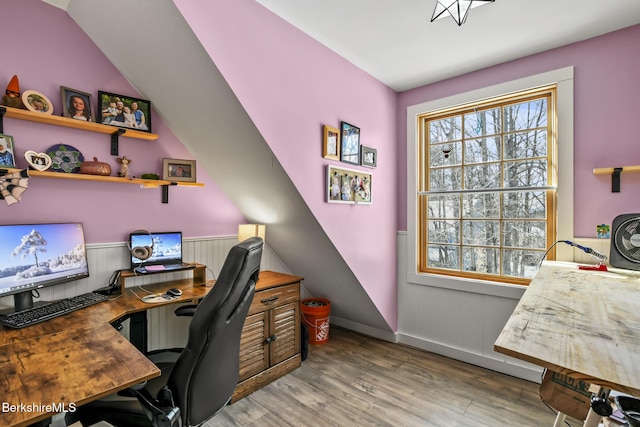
(158, 298)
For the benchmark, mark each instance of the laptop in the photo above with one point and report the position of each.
(166, 255)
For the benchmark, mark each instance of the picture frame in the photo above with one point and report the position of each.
(76, 104)
(330, 142)
(348, 186)
(179, 170)
(124, 111)
(369, 157)
(349, 143)
(7, 152)
(37, 102)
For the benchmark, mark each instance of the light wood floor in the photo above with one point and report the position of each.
(354, 380)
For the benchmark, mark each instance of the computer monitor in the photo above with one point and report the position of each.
(166, 248)
(33, 256)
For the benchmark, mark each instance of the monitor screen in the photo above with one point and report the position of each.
(167, 248)
(33, 256)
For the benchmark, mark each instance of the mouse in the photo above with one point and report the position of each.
(175, 292)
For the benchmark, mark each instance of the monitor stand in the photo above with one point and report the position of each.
(22, 301)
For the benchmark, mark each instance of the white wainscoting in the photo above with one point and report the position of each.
(461, 323)
(165, 329)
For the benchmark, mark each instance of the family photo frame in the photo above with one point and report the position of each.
(349, 143)
(37, 102)
(7, 154)
(348, 186)
(330, 142)
(124, 111)
(76, 104)
(369, 157)
(179, 170)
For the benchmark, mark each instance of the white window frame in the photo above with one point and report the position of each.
(563, 78)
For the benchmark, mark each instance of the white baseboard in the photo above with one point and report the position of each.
(530, 372)
(363, 329)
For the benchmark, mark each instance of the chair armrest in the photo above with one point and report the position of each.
(186, 310)
(160, 415)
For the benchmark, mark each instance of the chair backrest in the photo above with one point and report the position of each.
(206, 373)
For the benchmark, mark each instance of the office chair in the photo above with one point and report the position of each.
(199, 380)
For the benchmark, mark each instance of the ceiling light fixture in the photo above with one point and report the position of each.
(458, 9)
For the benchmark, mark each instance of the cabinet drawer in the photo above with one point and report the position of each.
(274, 297)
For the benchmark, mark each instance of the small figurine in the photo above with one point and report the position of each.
(124, 170)
(12, 98)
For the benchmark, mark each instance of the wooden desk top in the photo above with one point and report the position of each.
(80, 357)
(585, 324)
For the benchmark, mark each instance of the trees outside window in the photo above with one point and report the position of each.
(487, 187)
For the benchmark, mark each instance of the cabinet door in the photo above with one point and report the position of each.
(285, 327)
(253, 349)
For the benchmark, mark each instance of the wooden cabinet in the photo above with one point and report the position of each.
(270, 342)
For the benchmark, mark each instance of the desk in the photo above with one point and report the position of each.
(585, 324)
(76, 358)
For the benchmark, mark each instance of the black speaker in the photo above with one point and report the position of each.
(141, 252)
(625, 242)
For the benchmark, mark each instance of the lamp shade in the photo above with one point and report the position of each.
(246, 231)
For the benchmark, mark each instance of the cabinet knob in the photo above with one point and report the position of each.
(269, 301)
(270, 339)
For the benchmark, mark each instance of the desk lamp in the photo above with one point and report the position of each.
(246, 231)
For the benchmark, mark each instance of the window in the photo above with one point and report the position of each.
(487, 187)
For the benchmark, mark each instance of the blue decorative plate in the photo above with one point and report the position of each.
(65, 158)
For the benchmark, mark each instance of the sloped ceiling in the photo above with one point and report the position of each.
(204, 102)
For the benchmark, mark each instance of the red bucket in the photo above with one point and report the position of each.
(315, 314)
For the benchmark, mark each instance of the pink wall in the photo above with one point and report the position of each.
(605, 119)
(290, 86)
(52, 52)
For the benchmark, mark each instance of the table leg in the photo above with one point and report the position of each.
(559, 419)
(592, 419)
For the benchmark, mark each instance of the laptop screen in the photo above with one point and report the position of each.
(167, 248)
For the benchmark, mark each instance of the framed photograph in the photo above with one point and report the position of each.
(37, 102)
(348, 186)
(369, 156)
(76, 104)
(7, 157)
(178, 170)
(124, 111)
(349, 143)
(330, 143)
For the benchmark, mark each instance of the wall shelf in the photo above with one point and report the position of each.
(16, 113)
(146, 183)
(615, 175)
(49, 119)
(114, 132)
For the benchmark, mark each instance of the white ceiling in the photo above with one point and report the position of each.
(395, 42)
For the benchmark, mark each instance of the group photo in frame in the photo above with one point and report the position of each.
(330, 142)
(124, 111)
(76, 104)
(349, 143)
(348, 186)
(7, 155)
(179, 170)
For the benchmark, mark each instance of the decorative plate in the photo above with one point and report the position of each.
(65, 158)
(37, 102)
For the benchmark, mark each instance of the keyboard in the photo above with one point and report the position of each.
(41, 313)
